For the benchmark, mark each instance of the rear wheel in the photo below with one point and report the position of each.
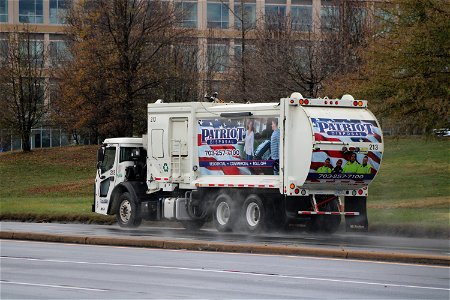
(225, 213)
(356, 223)
(253, 214)
(128, 212)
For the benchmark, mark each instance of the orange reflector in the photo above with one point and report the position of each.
(360, 103)
(292, 186)
(300, 102)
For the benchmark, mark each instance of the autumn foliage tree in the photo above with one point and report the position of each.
(120, 50)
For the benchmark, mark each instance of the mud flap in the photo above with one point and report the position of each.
(356, 223)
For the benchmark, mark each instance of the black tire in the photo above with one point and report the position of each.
(128, 212)
(326, 223)
(225, 214)
(253, 216)
(193, 224)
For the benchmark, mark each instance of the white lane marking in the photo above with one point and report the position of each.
(52, 286)
(229, 272)
(236, 253)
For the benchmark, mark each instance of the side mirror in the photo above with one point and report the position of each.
(100, 154)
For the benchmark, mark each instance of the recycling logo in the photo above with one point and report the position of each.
(165, 167)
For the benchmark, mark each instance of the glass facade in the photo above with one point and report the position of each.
(3, 10)
(31, 11)
(301, 17)
(237, 52)
(218, 57)
(33, 50)
(58, 11)
(4, 48)
(218, 14)
(274, 13)
(329, 18)
(246, 17)
(59, 53)
(188, 13)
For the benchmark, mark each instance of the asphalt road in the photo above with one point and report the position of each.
(348, 241)
(31, 270)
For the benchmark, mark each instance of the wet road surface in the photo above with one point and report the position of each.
(348, 241)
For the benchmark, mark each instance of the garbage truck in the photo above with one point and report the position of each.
(246, 167)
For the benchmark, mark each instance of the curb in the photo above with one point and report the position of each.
(233, 248)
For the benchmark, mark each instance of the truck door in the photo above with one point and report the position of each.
(104, 182)
(179, 147)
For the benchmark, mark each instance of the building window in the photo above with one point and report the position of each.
(275, 11)
(188, 13)
(246, 17)
(329, 18)
(4, 50)
(249, 50)
(218, 15)
(218, 57)
(59, 53)
(187, 56)
(31, 11)
(58, 11)
(301, 16)
(3, 10)
(33, 50)
(237, 52)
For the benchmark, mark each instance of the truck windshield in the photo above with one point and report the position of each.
(125, 154)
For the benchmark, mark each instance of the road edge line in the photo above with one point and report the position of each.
(230, 248)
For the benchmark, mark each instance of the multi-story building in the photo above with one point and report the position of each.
(216, 22)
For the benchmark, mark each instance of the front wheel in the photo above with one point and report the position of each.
(128, 212)
(254, 214)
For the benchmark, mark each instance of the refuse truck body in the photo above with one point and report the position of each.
(246, 167)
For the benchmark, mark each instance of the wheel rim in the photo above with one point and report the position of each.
(125, 211)
(223, 213)
(253, 214)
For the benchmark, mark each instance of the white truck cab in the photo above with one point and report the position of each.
(115, 158)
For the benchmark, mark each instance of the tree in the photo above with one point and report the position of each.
(291, 53)
(243, 13)
(406, 67)
(23, 83)
(119, 50)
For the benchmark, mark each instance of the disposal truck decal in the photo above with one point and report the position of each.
(329, 165)
(235, 146)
